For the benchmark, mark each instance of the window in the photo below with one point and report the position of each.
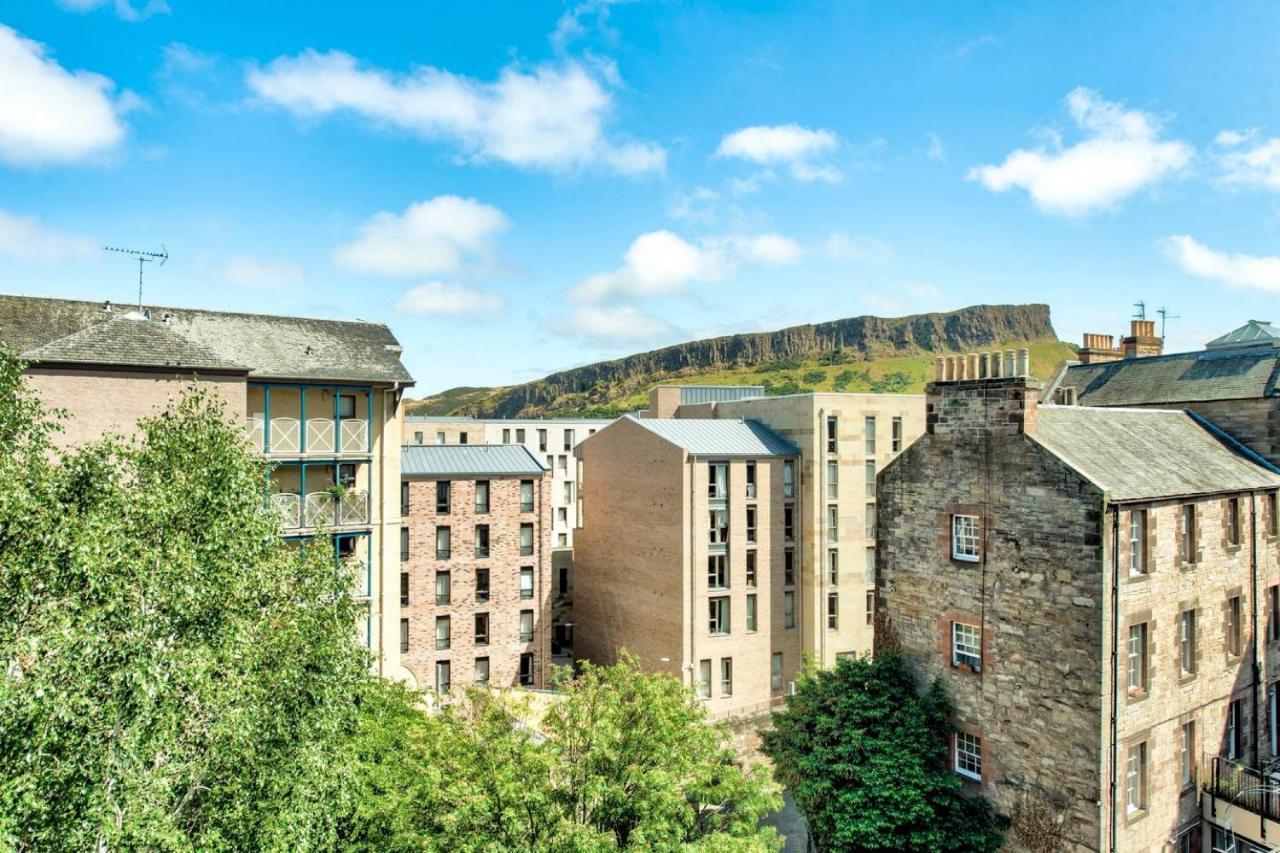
(896, 434)
(833, 566)
(717, 481)
(832, 423)
(482, 540)
(1138, 542)
(482, 495)
(443, 681)
(1187, 642)
(789, 524)
(482, 670)
(869, 482)
(562, 462)
(404, 544)
(526, 626)
(1137, 659)
(717, 571)
(443, 632)
(789, 567)
(1273, 521)
(519, 436)
(568, 492)
(1275, 612)
(704, 679)
(526, 582)
(718, 526)
(563, 580)
(833, 521)
(1187, 754)
(833, 480)
(751, 613)
(442, 497)
(404, 635)
(1188, 530)
(1233, 521)
(482, 584)
(969, 756)
(1234, 745)
(443, 588)
(1135, 777)
(417, 438)
(542, 440)
(966, 646)
(869, 435)
(526, 540)
(526, 495)
(788, 479)
(404, 589)
(404, 498)
(1233, 626)
(964, 538)
(462, 438)
(751, 479)
(869, 525)
(726, 676)
(871, 606)
(482, 629)
(788, 609)
(833, 611)
(568, 439)
(750, 578)
(506, 436)
(718, 615)
(440, 438)
(870, 568)
(346, 406)
(1273, 716)
(751, 524)
(526, 669)
(562, 540)
(562, 516)
(775, 674)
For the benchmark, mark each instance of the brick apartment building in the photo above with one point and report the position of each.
(687, 556)
(319, 398)
(1097, 591)
(475, 582)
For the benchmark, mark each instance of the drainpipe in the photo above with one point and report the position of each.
(1253, 627)
(823, 544)
(1115, 665)
(692, 467)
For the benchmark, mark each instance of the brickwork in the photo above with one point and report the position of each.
(504, 563)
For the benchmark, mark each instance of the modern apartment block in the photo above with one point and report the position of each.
(475, 585)
(687, 556)
(551, 441)
(845, 440)
(1097, 591)
(319, 398)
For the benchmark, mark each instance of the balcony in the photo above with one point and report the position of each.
(322, 509)
(1243, 802)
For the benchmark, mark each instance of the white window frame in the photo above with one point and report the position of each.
(966, 645)
(966, 540)
(1187, 642)
(1137, 542)
(1136, 672)
(1134, 783)
(967, 755)
(718, 615)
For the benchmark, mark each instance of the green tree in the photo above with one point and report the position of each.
(814, 377)
(172, 676)
(895, 382)
(867, 760)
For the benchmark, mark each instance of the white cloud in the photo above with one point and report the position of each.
(661, 263)
(1120, 154)
(28, 239)
(434, 236)
(853, 247)
(1253, 272)
(255, 272)
(1247, 161)
(546, 117)
(570, 27)
(49, 114)
(609, 325)
(447, 299)
(799, 149)
(125, 10)
(936, 151)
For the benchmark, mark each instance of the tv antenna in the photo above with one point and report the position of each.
(1165, 316)
(1141, 305)
(143, 258)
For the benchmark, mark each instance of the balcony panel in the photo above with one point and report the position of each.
(355, 436)
(320, 509)
(354, 507)
(255, 427)
(320, 435)
(289, 506)
(285, 435)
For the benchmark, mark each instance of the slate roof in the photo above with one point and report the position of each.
(268, 346)
(1233, 374)
(131, 340)
(705, 437)
(468, 460)
(1142, 454)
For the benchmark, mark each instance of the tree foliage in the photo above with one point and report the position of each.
(867, 759)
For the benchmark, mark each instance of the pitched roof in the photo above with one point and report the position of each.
(706, 437)
(1230, 374)
(131, 340)
(1252, 333)
(470, 419)
(1138, 454)
(467, 460)
(268, 346)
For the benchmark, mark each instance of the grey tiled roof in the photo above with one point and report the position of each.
(1238, 374)
(131, 340)
(467, 460)
(269, 346)
(707, 437)
(1137, 454)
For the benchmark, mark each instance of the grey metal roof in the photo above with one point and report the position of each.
(441, 419)
(467, 460)
(268, 346)
(705, 437)
(1231, 374)
(1253, 333)
(131, 340)
(469, 419)
(1139, 454)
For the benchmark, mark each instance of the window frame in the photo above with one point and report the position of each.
(1187, 663)
(967, 756)
(444, 497)
(966, 546)
(1138, 543)
(526, 636)
(718, 615)
(482, 637)
(526, 590)
(444, 641)
(1137, 657)
(966, 645)
(482, 486)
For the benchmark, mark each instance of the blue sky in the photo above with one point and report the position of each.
(521, 187)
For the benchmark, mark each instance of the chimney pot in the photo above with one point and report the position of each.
(1024, 362)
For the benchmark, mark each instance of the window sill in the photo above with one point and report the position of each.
(969, 669)
(1135, 577)
(957, 558)
(1186, 678)
(1135, 695)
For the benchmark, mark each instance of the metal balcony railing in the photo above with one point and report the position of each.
(1243, 786)
(289, 506)
(320, 435)
(355, 436)
(256, 428)
(285, 435)
(326, 509)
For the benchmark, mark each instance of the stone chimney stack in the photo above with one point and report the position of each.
(1142, 340)
(1000, 398)
(1098, 348)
